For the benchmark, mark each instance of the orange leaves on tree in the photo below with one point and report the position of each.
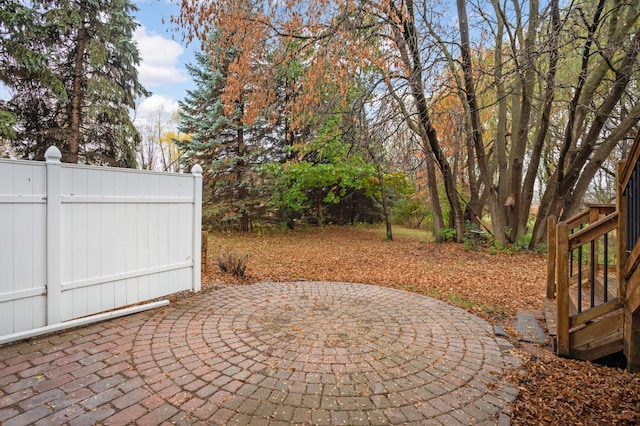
(329, 40)
(243, 37)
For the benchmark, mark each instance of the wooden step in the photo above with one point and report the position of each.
(598, 338)
(594, 333)
(612, 286)
(550, 315)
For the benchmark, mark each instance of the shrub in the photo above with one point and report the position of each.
(540, 248)
(447, 234)
(468, 244)
(229, 262)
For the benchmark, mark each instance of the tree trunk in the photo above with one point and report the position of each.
(408, 43)
(243, 219)
(77, 90)
(570, 134)
(549, 203)
(501, 162)
(436, 207)
(319, 207)
(561, 197)
(476, 126)
(527, 74)
(543, 129)
(385, 203)
(598, 158)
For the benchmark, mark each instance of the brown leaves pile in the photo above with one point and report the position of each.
(553, 391)
(487, 284)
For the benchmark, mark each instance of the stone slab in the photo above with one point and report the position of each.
(529, 330)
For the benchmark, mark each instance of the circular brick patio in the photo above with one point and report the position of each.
(306, 353)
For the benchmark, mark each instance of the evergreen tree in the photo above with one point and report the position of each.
(82, 105)
(227, 149)
(22, 56)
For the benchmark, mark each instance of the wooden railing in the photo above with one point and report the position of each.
(576, 227)
(630, 189)
(587, 253)
(629, 205)
(584, 260)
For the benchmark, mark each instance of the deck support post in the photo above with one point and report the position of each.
(631, 331)
(562, 290)
(632, 339)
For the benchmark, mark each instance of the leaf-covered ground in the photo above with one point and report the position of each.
(493, 286)
(557, 391)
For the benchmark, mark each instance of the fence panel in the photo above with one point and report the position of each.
(122, 230)
(78, 240)
(22, 246)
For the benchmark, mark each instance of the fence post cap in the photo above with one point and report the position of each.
(196, 170)
(52, 155)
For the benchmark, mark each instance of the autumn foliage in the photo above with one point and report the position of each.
(494, 93)
(269, 37)
(556, 391)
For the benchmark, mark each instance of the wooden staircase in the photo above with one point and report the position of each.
(584, 314)
(592, 303)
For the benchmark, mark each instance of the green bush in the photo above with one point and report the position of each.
(448, 234)
(468, 244)
(409, 211)
(540, 248)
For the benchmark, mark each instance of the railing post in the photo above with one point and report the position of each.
(54, 239)
(630, 320)
(621, 237)
(551, 257)
(562, 282)
(196, 171)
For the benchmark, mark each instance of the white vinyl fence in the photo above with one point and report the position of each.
(79, 240)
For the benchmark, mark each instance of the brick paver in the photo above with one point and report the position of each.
(268, 353)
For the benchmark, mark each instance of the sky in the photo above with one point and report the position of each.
(163, 57)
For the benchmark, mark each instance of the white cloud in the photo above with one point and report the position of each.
(5, 95)
(155, 107)
(159, 64)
